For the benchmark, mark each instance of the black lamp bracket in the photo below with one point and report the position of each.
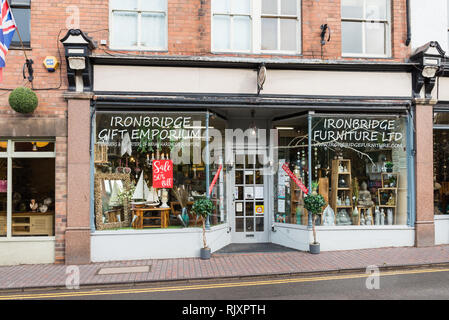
(28, 65)
(324, 29)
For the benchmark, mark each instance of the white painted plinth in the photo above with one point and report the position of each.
(442, 229)
(29, 250)
(343, 237)
(155, 243)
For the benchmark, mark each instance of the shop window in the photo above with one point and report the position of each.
(34, 146)
(365, 28)
(359, 166)
(441, 162)
(138, 24)
(149, 170)
(21, 9)
(254, 26)
(292, 157)
(27, 190)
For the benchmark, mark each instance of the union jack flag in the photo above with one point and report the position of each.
(7, 29)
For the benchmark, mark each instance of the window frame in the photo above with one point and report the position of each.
(139, 12)
(10, 154)
(17, 44)
(256, 30)
(387, 24)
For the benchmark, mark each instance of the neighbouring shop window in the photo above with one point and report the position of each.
(21, 9)
(365, 27)
(3, 188)
(138, 24)
(149, 169)
(441, 162)
(27, 188)
(256, 26)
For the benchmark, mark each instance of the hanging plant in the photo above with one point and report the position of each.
(23, 100)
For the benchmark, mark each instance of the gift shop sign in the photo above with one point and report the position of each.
(294, 178)
(162, 174)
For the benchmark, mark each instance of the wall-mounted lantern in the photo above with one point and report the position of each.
(429, 56)
(78, 47)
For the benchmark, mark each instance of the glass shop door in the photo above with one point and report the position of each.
(249, 207)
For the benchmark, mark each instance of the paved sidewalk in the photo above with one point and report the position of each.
(224, 265)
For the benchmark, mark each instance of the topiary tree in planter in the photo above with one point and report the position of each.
(203, 208)
(23, 100)
(314, 203)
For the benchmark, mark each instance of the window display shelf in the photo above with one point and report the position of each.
(29, 223)
(341, 186)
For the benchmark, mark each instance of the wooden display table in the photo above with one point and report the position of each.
(161, 214)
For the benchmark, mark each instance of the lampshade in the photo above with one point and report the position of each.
(41, 144)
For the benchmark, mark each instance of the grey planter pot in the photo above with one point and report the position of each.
(205, 253)
(314, 248)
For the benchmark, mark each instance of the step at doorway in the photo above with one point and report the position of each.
(253, 248)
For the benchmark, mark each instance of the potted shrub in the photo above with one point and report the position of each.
(23, 100)
(314, 203)
(203, 208)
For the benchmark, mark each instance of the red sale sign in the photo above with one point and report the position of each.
(162, 174)
(294, 178)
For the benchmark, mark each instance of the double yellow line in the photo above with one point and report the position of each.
(209, 286)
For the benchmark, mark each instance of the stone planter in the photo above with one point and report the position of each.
(205, 253)
(314, 248)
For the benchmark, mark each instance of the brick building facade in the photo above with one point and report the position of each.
(189, 38)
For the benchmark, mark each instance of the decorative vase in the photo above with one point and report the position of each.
(369, 219)
(390, 217)
(184, 217)
(164, 198)
(355, 215)
(377, 216)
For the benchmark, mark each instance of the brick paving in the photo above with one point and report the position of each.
(224, 265)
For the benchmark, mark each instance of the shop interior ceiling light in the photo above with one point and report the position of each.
(253, 124)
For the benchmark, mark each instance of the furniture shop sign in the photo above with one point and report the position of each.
(358, 132)
(162, 174)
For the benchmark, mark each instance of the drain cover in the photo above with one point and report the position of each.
(118, 270)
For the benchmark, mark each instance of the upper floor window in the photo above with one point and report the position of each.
(138, 24)
(21, 10)
(365, 28)
(256, 26)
